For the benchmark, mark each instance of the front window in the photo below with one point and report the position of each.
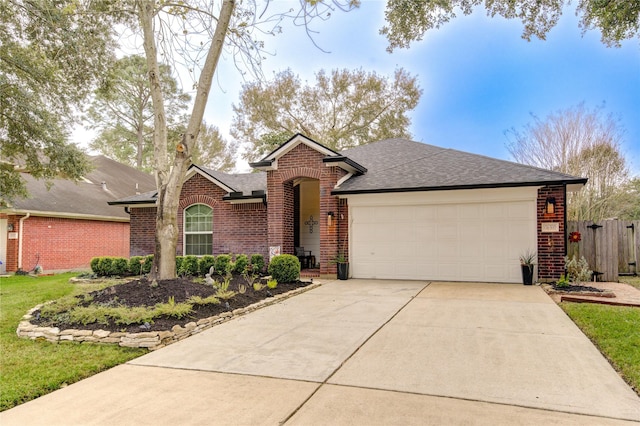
(198, 230)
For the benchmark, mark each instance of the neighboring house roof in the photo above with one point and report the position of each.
(87, 198)
(401, 165)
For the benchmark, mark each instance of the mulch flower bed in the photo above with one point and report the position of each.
(142, 292)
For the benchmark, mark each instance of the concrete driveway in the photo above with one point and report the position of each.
(364, 352)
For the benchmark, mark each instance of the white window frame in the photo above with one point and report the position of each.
(185, 233)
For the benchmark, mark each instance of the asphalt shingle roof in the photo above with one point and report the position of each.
(86, 197)
(241, 182)
(401, 164)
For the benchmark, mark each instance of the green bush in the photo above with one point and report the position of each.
(119, 266)
(257, 261)
(221, 262)
(134, 264)
(241, 263)
(179, 260)
(189, 266)
(284, 268)
(148, 263)
(95, 265)
(104, 266)
(205, 263)
(107, 266)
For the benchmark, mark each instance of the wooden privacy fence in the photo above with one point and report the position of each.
(611, 247)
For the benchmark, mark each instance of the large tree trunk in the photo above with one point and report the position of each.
(169, 180)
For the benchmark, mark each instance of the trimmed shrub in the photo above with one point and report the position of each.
(189, 265)
(179, 260)
(257, 261)
(104, 266)
(95, 262)
(205, 263)
(119, 266)
(221, 262)
(241, 263)
(148, 263)
(284, 268)
(134, 264)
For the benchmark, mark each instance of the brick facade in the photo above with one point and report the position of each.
(58, 244)
(551, 245)
(303, 162)
(237, 228)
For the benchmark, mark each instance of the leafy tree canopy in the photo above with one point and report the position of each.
(342, 110)
(51, 53)
(122, 112)
(408, 20)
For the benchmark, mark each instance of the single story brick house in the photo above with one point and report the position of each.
(398, 209)
(64, 227)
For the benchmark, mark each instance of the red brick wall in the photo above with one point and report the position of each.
(63, 244)
(143, 228)
(302, 161)
(551, 246)
(237, 228)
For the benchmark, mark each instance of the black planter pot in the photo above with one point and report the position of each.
(527, 274)
(343, 271)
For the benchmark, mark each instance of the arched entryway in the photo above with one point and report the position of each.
(306, 221)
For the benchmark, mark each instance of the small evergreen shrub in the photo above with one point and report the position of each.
(284, 268)
(148, 263)
(241, 263)
(119, 266)
(205, 263)
(95, 265)
(104, 266)
(179, 260)
(135, 266)
(257, 261)
(221, 263)
(189, 266)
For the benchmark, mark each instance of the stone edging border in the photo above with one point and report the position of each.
(151, 340)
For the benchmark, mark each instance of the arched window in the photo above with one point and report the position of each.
(198, 230)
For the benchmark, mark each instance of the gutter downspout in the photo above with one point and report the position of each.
(22, 219)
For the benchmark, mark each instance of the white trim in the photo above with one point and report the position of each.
(64, 215)
(184, 227)
(297, 140)
(343, 179)
(21, 230)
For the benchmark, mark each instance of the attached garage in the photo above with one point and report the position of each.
(466, 235)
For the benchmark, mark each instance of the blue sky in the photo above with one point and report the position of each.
(479, 77)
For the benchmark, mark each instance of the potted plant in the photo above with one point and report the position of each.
(527, 264)
(340, 259)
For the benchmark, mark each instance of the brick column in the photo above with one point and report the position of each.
(552, 246)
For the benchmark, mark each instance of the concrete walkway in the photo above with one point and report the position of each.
(363, 352)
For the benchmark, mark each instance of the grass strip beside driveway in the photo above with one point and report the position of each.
(29, 369)
(615, 330)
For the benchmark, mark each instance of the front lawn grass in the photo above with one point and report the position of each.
(29, 369)
(615, 330)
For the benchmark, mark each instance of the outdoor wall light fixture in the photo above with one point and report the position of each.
(329, 218)
(550, 205)
(10, 227)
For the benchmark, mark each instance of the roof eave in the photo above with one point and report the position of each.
(265, 165)
(572, 183)
(346, 164)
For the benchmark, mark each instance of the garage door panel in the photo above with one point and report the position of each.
(465, 241)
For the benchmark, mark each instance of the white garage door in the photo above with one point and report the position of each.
(461, 241)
